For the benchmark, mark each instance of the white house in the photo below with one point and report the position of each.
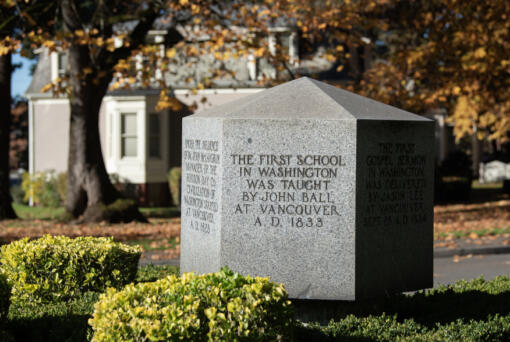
(139, 144)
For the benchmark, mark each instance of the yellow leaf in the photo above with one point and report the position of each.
(340, 48)
(330, 57)
(260, 52)
(183, 2)
(46, 88)
(480, 53)
(339, 68)
(456, 90)
(171, 53)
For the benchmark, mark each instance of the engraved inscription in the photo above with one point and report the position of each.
(395, 186)
(287, 190)
(200, 165)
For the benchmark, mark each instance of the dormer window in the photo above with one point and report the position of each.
(58, 65)
(280, 40)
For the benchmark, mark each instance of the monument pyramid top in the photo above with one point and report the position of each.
(305, 98)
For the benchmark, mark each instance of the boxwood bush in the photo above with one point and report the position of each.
(5, 294)
(218, 306)
(476, 310)
(58, 268)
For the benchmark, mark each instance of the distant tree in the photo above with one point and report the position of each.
(6, 211)
(18, 155)
(107, 49)
(15, 19)
(450, 54)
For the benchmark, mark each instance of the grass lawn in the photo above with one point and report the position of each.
(476, 185)
(26, 212)
(487, 216)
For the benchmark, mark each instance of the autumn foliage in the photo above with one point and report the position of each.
(448, 54)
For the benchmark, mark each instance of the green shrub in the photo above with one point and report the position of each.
(58, 321)
(18, 195)
(174, 183)
(219, 306)
(387, 328)
(61, 185)
(122, 210)
(5, 294)
(476, 310)
(46, 188)
(58, 268)
(150, 273)
(65, 320)
(32, 185)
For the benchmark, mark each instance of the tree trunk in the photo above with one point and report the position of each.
(6, 211)
(90, 194)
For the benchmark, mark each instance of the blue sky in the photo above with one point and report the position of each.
(21, 77)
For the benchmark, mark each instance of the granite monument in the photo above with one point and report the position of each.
(326, 191)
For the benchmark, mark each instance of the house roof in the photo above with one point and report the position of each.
(42, 73)
(181, 71)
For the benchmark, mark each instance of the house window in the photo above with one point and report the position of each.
(128, 137)
(62, 64)
(154, 136)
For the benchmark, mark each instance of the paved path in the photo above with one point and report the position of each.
(465, 259)
(451, 269)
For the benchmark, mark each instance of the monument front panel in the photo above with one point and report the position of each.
(289, 204)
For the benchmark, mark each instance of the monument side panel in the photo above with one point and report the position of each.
(394, 213)
(288, 204)
(200, 195)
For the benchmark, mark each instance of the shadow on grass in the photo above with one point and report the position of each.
(65, 321)
(72, 328)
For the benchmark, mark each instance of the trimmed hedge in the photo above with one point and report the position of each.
(475, 310)
(65, 320)
(59, 321)
(387, 328)
(150, 273)
(59, 268)
(5, 294)
(218, 306)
